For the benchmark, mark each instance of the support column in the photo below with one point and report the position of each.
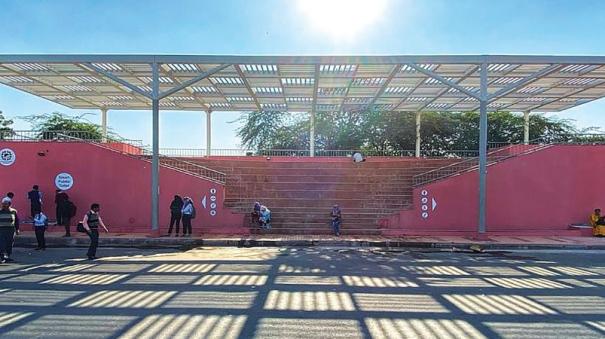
(482, 150)
(312, 134)
(526, 127)
(104, 124)
(418, 137)
(208, 132)
(155, 149)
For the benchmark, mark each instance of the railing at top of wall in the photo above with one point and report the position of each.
(498, 151)
(198, 152)
(18, 135)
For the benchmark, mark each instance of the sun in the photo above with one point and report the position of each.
(342, 19)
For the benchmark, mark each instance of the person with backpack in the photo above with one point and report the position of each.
(35, 199)
(188, 212)
(92, 221)
(69, 212)
(60, 199)
(40, 225)
(175, 215)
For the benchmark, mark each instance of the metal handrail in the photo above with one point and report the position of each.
(61, 135)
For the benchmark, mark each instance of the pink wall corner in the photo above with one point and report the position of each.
(541, 191)
(120, 183)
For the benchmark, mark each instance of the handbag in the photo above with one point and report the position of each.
(81, 228)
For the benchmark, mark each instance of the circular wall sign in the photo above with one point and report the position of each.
(7, 157)
(64, 181)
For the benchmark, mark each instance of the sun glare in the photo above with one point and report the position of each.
(342, 19)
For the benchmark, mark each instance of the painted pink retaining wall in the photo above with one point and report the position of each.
(120, 183)
(541, 192)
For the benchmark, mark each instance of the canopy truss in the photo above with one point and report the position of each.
(308, 83)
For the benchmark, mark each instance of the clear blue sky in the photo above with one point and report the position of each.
(557, 27)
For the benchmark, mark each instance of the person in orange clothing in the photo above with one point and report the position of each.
(598, 223)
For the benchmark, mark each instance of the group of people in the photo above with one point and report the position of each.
(181, 209)
(261, 216)
(65, 210)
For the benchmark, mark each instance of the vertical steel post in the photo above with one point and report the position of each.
(312, 134)
(418, 137)
(483, 149)
(526, 127)
(208, 132)
(104, 124)
(155, 156)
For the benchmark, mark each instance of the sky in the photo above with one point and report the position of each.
(283, 27)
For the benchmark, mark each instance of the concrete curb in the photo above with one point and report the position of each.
(188, 243)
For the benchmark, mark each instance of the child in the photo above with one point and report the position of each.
(40, 224)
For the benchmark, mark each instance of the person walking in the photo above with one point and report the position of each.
(9, 227)
(188, 212)
(40, 225)
(92, 221)
(35, 200)
(336, 215)
(175, 215)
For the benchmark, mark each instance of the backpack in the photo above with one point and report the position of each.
(71, 209)
(193, 212)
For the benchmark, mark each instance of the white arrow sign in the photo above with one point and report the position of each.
(434, 204)
(204, 201)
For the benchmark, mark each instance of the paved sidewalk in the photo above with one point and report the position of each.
(27, 239)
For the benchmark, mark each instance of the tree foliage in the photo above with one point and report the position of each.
(78, 126)
(385, 131)
(5, 126)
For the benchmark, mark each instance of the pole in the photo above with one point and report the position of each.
(482, 150)
(526, 127)
(312, 134)
(208, 132)
(104, 124)
(155, 156)
(418, 137)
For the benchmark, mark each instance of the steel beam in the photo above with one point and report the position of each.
(208, 132)
(313, 110)
(104, 123)
(526, 127)
(302, 60)
(418, 136)
(193, 81)
(118, 80)
(482, 149)
(155, 155)
(443, 80)
(525, 81)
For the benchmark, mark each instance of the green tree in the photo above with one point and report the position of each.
(5, 129)
(389, 131)
(48, 125)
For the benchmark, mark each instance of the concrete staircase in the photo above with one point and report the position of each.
(300, 192)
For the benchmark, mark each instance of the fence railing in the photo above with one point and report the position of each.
(66, 135)
(493, 155)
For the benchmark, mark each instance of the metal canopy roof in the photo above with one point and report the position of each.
(308, 83)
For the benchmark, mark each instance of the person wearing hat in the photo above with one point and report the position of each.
(9, 227)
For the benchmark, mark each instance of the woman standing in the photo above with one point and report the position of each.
(188, 213)
(175, 215)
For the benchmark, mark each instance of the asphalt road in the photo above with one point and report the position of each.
(302, 293)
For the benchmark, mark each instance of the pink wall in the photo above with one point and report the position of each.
(120, 183)
(541, 192)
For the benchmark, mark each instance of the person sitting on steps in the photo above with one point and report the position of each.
(265, 217)
(597, 221)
